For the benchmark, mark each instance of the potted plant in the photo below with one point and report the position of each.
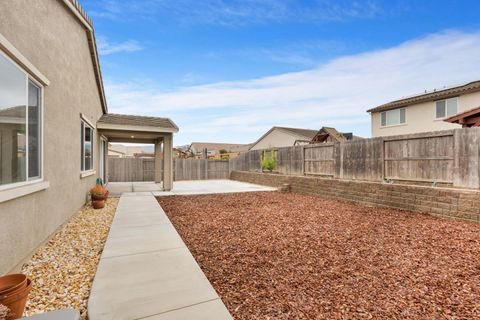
(99, 195)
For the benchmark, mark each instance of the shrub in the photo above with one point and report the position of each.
(268, 162)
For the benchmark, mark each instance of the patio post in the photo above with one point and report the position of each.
(168, 162)
(158, 161)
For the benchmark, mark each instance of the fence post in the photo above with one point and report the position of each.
(303, 159)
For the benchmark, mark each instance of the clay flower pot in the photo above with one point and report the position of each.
(98, 204)
(16, 301)
(98, 196)
(11, 283)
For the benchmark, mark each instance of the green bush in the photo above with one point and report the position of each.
(268, 162)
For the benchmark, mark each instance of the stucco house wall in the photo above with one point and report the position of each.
(421, 117)
(49, 35)
(276, 139)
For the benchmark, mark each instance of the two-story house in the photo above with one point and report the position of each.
(424, 112)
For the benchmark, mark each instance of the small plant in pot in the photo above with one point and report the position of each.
(99, 195)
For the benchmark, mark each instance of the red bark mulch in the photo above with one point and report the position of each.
(272, 255)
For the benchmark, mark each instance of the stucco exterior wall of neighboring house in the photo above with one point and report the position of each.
(278, 138)
(49, 35)
(421, 117)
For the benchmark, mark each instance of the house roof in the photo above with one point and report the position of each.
(473, 86)
(198, 146)
(77, 10)
(302, 134)
(136, 121)
(308, 133)
(326, 132)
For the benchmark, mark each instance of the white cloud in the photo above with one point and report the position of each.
(105, 47)
(337, 93)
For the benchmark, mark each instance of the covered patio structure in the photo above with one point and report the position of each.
(140, 129)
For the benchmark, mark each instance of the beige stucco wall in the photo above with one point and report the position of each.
(51, 38)
(421, 117)
(276, 139)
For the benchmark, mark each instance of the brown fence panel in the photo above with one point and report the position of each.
(289, 160)
(189, 169)
(319, 159)
(218, 169)
(149, 169)
(130, 169)
(467, 158)
(360, 160)
(417, 158)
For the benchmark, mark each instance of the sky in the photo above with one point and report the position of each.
(227, 71)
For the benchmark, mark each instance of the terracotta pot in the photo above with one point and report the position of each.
(97, 196)
(98, 204)
(12, 282)
(16, 302)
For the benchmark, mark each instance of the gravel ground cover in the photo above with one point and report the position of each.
(288, 256)
(63, 269)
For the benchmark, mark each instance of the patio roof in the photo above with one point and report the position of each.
(469, 118)
(131, 128)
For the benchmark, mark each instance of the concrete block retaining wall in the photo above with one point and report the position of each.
(446, 202)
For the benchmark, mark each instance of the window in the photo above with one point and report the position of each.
(446, 108)
(20, 125)
(393, 117)
(87, 147)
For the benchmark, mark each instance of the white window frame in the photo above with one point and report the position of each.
(40, 86)
(393, 125)
(446, 115)
(86, 172)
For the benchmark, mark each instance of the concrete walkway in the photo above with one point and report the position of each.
(147, 272)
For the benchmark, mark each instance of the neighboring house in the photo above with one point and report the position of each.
(123, 151)
(278, 137)
(198, 148)
(470, 118)
(424, 112)
(179, 153)
(54, 123)
(327, 134)
(116, 151)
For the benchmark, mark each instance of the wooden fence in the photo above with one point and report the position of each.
(143, 169)
(200, 169)
(450, 157)
(130, 169)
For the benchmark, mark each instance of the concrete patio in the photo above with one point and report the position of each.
(184, 187)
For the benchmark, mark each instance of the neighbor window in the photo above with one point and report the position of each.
(87, 147)
(446, 108)
(393, 117)
(20, 125)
